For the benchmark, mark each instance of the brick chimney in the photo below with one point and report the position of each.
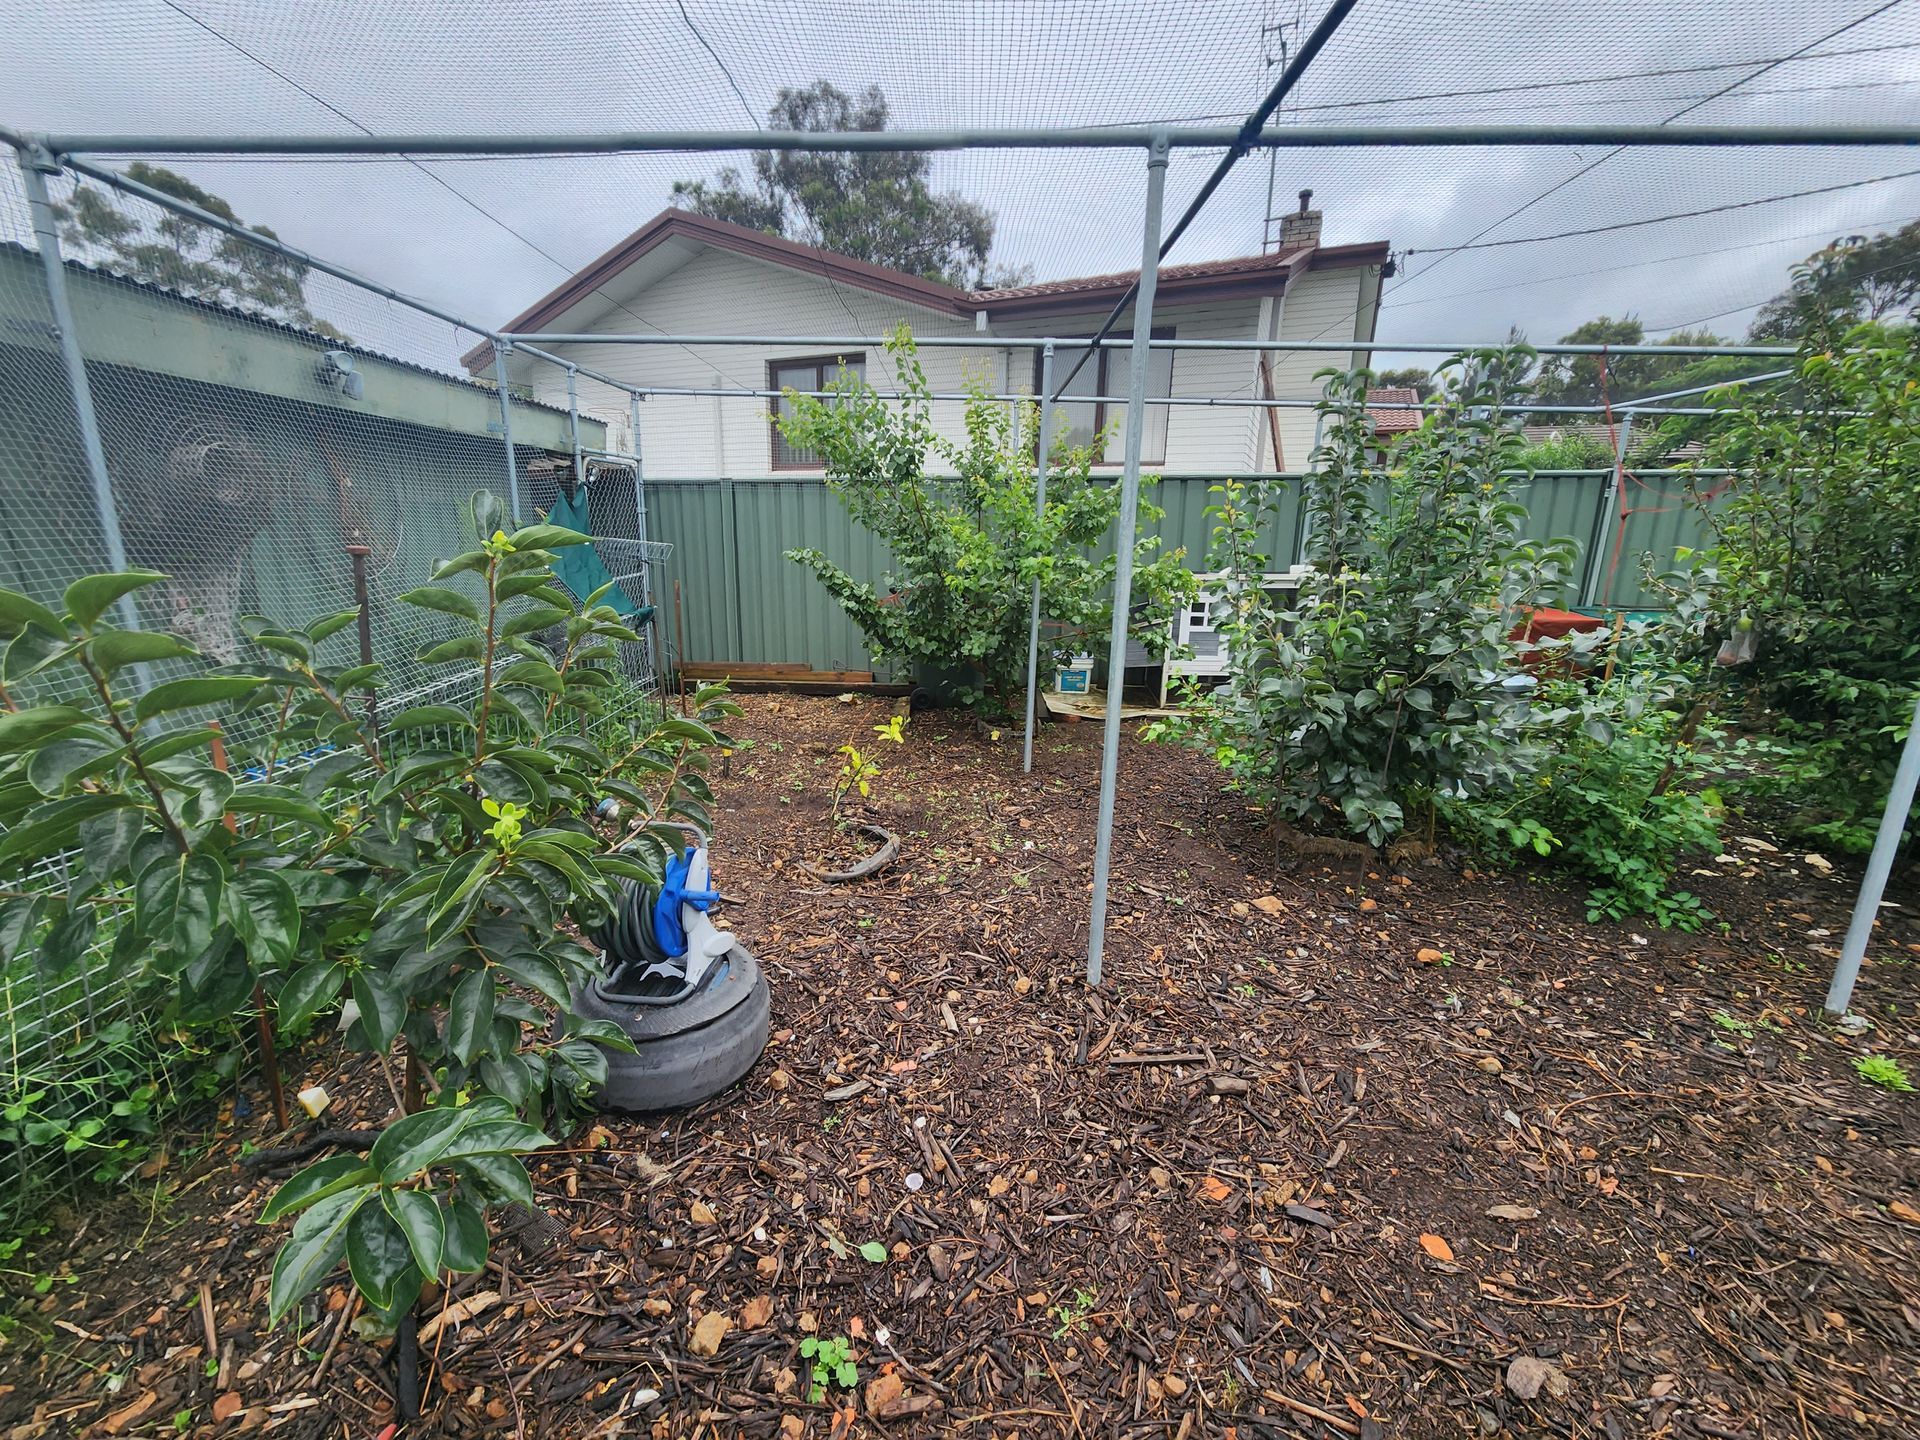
(1302, 227)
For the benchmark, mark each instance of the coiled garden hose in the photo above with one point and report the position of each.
(632, 945)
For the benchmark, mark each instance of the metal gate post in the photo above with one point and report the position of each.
(654, 656)
(573, 423)
(500, 350)
(1123, 553)
(1039, 509)
(35, 165)
(639, 495)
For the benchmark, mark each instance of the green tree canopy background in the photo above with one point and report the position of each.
(174, 252)
(875, 206)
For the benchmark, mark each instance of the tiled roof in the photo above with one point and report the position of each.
(1387, 406)
(1277, 263)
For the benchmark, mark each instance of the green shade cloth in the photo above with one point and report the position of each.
(579, 566)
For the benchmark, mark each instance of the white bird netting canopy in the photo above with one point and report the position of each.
(1488, 238)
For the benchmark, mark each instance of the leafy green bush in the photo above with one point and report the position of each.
(969, 548)
(427, 871)
(1575, 451)
(1378, 689)
(1616, 797)
(1813, 574)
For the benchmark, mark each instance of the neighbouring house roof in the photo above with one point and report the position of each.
(1389, 406)
(137, 325)
(1203, 280)
(1211, 279)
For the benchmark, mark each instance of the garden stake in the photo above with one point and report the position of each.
(269, 1055)
(1613, 646)
(679, 649)
(359, 554)
(1039, 508)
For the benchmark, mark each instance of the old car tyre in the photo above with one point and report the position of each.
(687, 1051)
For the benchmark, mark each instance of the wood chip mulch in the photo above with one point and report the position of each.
(1279, 1176)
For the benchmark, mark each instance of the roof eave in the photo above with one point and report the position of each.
(1334, 257)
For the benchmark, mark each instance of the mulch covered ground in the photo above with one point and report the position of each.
(1330, 1152)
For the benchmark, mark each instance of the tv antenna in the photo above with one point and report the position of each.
(1275, 47)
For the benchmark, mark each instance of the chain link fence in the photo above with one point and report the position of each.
(210, 407)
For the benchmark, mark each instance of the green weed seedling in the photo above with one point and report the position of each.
(1887, 1073)
(1071, 1318)
(830, 1365)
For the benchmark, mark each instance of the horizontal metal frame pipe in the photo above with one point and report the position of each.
(790, 477)
(1229, 402)
(1105, 137)
(1040, 342)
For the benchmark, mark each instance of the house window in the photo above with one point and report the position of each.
(1107, 372)
(813, 373)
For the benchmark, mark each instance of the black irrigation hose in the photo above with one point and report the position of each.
(407, 1366)
(293, 1155)
(879, 860)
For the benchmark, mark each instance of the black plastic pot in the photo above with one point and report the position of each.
(938, 687)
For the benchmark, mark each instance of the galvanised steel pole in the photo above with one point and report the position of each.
(1609, 504)
(1102, 137)
(35, 166)
(656, 671)
(1039, 509)
(1123, 547)
(639, 494)
(573, 423)
(1879, 865)
(506, 429)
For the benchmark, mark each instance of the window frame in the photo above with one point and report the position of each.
(1100, 408)
(824, 367)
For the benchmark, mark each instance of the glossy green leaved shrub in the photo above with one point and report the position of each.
(432, 871)
(1615, 793)
(1374, 690)
(967, 547)
(1812, 571)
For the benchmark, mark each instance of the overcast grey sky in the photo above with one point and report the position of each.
(487, 236)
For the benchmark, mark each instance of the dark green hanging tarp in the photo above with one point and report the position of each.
(579, 566)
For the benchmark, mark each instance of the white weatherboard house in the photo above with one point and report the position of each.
(733, 496)
(683, 274)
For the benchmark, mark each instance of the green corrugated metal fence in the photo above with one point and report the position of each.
(742, 600)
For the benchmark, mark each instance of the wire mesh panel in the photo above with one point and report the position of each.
(526, 223)
(271, 436)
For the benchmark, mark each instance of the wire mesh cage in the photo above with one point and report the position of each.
(177, 393)
(270, 463)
